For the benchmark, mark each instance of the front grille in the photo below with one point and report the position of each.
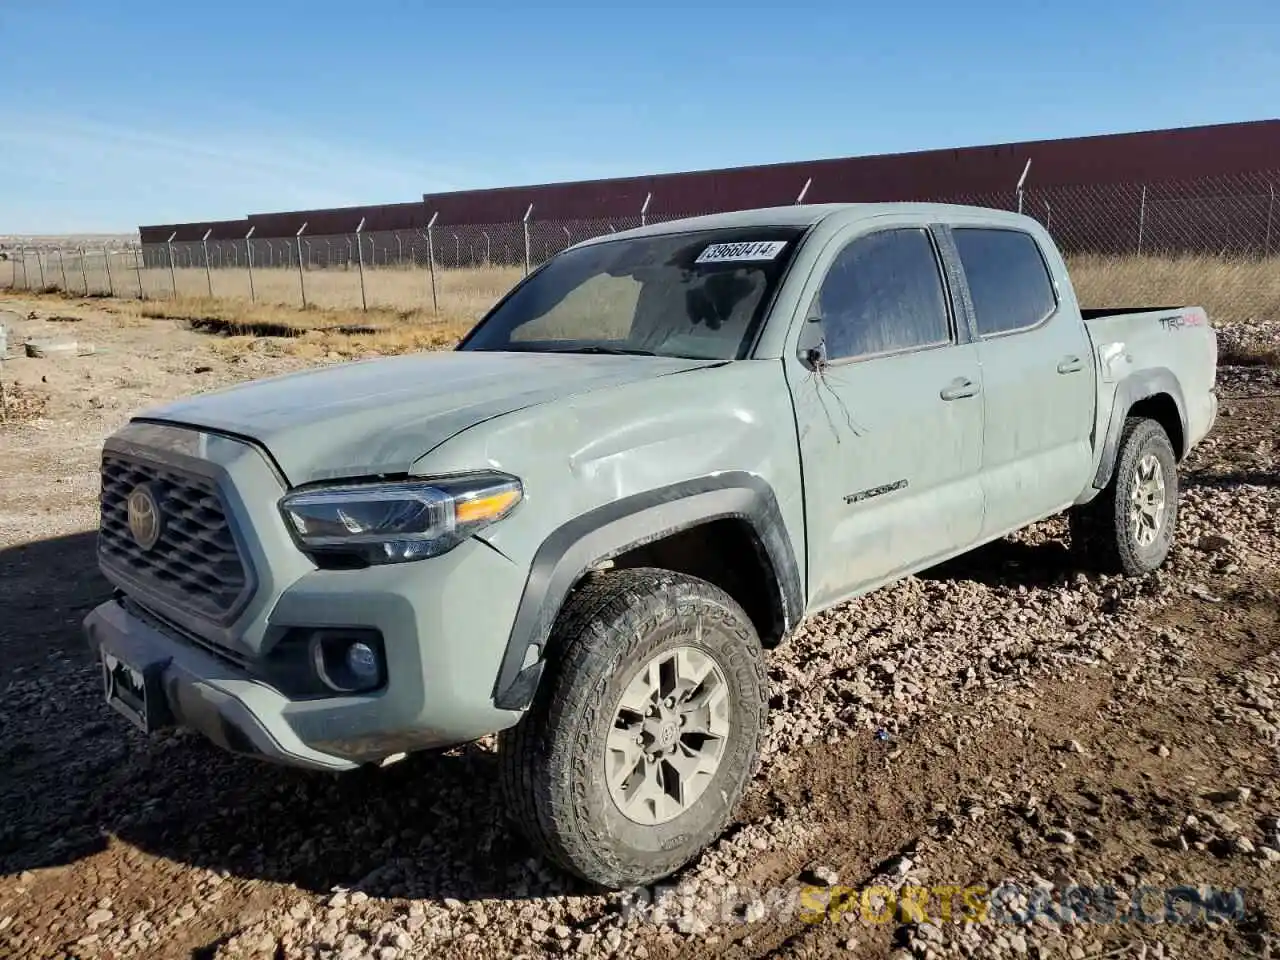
(195, 564)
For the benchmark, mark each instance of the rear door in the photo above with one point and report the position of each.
(1038, 388)
(890, 424)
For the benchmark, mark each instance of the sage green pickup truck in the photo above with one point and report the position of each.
(646, 465)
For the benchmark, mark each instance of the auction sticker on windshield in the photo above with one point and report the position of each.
(748, 250)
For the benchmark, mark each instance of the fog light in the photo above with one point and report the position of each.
(348, 661)
(363, 663)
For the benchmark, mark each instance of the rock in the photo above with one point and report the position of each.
(52, 349)
(826, 875)
(98, 918)
(586, 942)
(1162, 751)
(452, 903)
(1244, 845)
(1234, 795)
(1065, 837)
(359, 897)
(1214, 543)
(930, 932)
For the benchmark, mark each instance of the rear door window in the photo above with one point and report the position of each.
(1009, 282)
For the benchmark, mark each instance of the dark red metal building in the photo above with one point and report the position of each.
(1102, 172)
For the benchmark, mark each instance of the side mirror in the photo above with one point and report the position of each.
(812, 345)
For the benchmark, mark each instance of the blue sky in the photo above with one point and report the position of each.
(115, 113)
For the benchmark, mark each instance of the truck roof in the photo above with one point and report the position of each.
(805, 215)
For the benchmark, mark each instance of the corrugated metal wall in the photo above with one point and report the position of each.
(1131, 158)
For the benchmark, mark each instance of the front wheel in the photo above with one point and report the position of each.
(644, 734)
(1129, 527)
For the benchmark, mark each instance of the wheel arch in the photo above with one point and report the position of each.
(671, 526)
(1154, 394)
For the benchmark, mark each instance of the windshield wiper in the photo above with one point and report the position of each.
(595, 348)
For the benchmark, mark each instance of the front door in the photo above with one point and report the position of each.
(888, 401)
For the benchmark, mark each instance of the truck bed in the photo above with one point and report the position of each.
(1093, 313)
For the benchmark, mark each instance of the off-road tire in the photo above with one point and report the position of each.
(1100, 530)
(553, 761)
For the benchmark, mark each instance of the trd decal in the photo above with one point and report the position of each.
(874, 491)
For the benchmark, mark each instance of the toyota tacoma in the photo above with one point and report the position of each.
(648, 463)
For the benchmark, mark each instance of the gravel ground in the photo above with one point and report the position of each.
(1003, 722)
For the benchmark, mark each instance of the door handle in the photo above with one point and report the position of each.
(958, 388)
(1070, 365)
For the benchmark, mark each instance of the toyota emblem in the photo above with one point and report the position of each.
(144, 517)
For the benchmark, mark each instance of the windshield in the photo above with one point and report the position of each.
(695, 294)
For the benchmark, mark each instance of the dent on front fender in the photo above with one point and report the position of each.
(580, 453)
(648, 452)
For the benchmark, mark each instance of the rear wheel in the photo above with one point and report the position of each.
(1129, 527)
(642, 738)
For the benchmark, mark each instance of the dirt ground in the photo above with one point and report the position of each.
(1005, 756)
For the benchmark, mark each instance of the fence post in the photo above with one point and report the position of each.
(431, 260)
(457, 251)
(364, 304)
(803, 190)
(208, 274)
(644, 209)
(568, 238)
(1048, 214)
(106, 259)
(302, 285)
(1142, 217)
(248, 250)
(40, 267)
(527, 214)
(62, 267)
(487, 259)
(137, 270)
(173, 280)
(1271, 206)
(1021, 181)
(84, 277)
(22, 252)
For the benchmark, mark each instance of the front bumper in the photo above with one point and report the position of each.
(206, 694)
(442, 647)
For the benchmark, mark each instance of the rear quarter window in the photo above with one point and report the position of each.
(1009, 282)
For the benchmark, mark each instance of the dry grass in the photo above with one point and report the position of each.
(397, 320)
(1242, 298)
(1233, 291)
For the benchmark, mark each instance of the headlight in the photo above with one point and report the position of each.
(393, 522)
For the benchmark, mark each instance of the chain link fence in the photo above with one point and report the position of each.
(1233, 218)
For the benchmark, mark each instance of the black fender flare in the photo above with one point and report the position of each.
(621, 525)
(1129, 391)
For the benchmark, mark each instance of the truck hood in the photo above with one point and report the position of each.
(379, 416)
